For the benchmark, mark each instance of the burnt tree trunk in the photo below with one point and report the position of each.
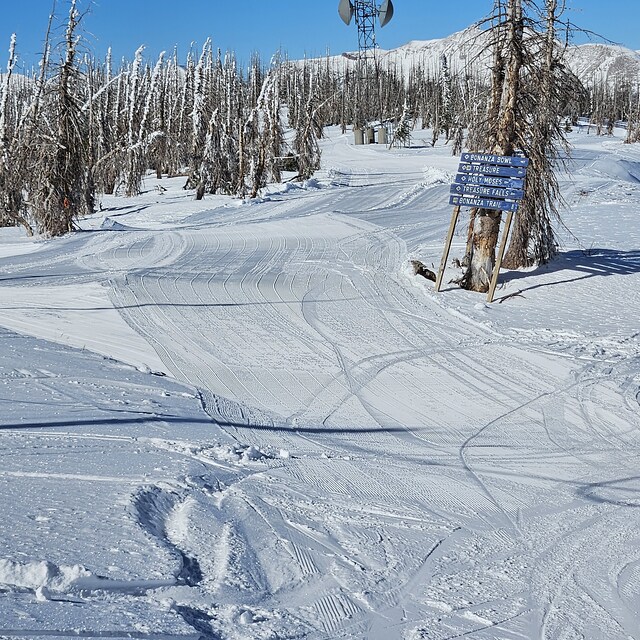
(533, 240)
(502, 140)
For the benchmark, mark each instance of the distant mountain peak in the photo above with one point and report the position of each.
(600, 61)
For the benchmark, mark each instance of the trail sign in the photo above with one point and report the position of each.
(490, 181)
(488, 158)
(483, 203)
(486, 181)
(493, 170)
(486, 192)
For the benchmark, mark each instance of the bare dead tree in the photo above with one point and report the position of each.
(307, 131)
(548, 84)
(20, 142)
(266, 135)
(501, 139)
(59, 192)
(9, 192)
(633, 117)
(531, 88)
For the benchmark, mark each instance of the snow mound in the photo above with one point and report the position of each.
(109, 224)
(625, 170)
(238, 454)
(433, 176)
(290, 187)
(41, 575)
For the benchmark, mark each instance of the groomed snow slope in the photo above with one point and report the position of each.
(334, 451)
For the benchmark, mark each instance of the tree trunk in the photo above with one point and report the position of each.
(486, 228)
(533, 239)
(502, 121)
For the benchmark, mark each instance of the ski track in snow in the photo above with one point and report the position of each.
(337, 452)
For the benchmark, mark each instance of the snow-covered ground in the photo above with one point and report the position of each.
(334, 450)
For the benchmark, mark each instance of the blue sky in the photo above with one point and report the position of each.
(298, 26)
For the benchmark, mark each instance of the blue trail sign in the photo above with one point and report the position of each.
(493, 170)
(486, 192)
(488, 158)
(486, 181)
(489, 181)
(483, 203)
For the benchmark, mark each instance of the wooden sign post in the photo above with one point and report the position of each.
(447, 246)
(486, 181)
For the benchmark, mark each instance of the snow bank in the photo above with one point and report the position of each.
(109, 224)
(435, 175)
(241, 453)
(617, 169)
(39, 575)
(236, 453)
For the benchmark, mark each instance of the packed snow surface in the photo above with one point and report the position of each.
(248, 420)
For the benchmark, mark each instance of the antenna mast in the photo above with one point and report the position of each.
(365, 13)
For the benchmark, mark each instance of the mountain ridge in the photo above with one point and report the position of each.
(590, 61)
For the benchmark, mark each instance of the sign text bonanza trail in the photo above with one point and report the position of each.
(483, 203)
(486, 181)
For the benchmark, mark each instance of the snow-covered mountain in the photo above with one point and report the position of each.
(469, 47)
(462, 49)
(604, 61)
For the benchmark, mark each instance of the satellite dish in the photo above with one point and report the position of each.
(345, 9)
(386, 12)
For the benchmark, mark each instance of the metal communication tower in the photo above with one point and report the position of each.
(365, 12)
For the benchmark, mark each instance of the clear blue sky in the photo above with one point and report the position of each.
(298, 26)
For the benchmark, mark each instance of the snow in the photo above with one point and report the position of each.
(81, 315)
(334, 450)
(468, 50)
(38, 575)
(597, 61)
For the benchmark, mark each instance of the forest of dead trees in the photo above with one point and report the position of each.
(80, 127)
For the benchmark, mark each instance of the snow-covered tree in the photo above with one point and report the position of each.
(59, 189)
